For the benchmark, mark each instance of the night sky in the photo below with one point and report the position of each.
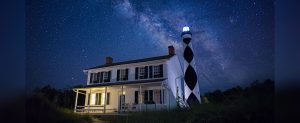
(233, 40)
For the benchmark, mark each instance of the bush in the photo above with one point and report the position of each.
(40, 110)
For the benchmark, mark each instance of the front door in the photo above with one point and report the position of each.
(122, 103)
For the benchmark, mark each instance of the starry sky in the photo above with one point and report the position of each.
(233, 40)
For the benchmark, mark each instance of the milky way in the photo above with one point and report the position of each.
(233, 40)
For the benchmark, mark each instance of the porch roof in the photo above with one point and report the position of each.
(122, 83)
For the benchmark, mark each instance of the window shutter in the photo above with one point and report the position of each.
(91, 78)
(150, 95)
(160, 97)
(146, 72)
(101, 77)
(100, 98)
(89, 97)
(118, 75)
(107, 98)
(136, 73)
(150, 72)
(146, 97)
(161, 71)
(126, 74)
(109, 76)
(95, 78)
(136, 97)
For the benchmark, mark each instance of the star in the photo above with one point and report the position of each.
(230, 37)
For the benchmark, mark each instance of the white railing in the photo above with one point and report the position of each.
(126, 108)
(145, 107)
(92, 109)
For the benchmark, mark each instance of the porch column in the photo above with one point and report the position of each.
(140, 97)
(122, 90)
(122, 103)
(161, 94)
(89, 100)
(105, 99)
(76, 101)
(168, 92)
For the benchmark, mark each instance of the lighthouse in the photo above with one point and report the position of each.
(191, 87)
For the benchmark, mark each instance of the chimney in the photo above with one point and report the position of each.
(108, 60)
(171, 50)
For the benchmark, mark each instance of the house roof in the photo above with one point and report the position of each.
(123, 83)
(133, 61)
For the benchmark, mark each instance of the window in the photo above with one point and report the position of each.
(156, 71)
(96, 77)
(99, 99)
(95, 99)
(106, 76)
(148, 97)
(141, 72)
(122, 74)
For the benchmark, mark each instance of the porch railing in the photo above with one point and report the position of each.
(92, 109)
(145, 107)
(125, 108)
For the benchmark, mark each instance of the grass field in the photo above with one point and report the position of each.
(236, 105)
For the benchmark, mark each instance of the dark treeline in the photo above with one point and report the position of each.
(61, 97)
(50, 105)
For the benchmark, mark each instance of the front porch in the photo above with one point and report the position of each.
(122, 98)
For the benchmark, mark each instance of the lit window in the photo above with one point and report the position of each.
(185, 29)
(93, 99)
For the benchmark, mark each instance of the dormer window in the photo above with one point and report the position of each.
(122, 74)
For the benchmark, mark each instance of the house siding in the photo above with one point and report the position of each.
(131, 67)
(171, 70)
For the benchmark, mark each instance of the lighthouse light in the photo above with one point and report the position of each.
(185, 29)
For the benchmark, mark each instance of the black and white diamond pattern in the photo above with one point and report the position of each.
(192, 93)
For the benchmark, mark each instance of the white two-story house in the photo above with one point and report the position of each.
(135, 85)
